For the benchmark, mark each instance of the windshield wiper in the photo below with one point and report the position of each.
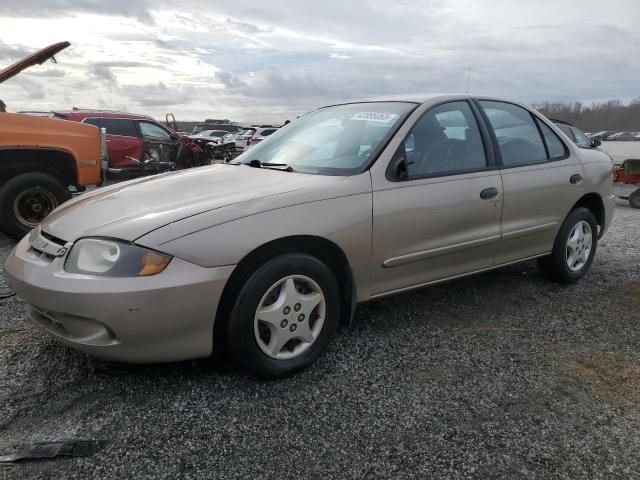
(255, 163)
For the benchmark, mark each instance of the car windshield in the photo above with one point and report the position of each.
(338, 140)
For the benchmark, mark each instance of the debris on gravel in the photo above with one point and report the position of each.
(501, 375)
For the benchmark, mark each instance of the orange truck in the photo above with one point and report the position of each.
(43, 160)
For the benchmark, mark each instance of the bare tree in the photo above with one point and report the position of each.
(609, 115)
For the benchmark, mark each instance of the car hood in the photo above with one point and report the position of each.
(132, 209)
(37, 58)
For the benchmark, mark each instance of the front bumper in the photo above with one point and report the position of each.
(161, 318)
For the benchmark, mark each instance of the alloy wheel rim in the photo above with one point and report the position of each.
(32, 205)
(579, 246)
(289, 317)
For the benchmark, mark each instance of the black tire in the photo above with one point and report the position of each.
(555, 266)
(49, 192)
(241, 340)
(634, 199)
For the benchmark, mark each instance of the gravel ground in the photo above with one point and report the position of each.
(502, 375)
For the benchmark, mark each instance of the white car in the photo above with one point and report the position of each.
(242, 138)
(260, 134)
(209, 135)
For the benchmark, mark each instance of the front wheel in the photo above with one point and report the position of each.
(26, 199)
(634, 199)
(574, 248)
(284, 316)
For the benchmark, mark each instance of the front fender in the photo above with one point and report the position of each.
(346, 221)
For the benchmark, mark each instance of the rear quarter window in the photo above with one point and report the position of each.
(554, 144)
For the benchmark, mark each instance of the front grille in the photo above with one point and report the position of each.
(48, 236)
(46, 244)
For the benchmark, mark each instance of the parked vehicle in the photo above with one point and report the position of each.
(260, 134)
(216, 143)
(42, 159)
(243, 138)
(628, 172)
(227, 127)
(578, 137)
(209, 135)
(623, 137)
(602, 136)
(137, 144)
(352, 202)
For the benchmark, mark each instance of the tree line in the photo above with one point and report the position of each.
(597, 116)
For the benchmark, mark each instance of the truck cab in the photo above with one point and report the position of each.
(43, 160)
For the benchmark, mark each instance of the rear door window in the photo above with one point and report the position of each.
(518, 137)
(118, 126)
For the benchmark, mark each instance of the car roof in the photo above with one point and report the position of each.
(79, 114)
(412, 97)
(433, 97)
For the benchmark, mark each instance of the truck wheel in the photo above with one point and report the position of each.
(26, 199)
(634, 199)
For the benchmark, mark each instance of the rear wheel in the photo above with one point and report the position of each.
(574, 248)
(26, 199)
(634, 199)
(284, 316)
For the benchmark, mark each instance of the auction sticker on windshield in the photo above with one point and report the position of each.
(375, 117)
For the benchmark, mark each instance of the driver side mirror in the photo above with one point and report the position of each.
(595, 143)
(398, 167)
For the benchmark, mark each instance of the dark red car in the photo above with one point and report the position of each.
(137, 144)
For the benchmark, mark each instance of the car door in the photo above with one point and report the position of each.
(123, 142)
(436, 210)
(541, 180)
(158, 142)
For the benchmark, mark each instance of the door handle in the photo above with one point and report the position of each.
(488, 193)
(575, 179)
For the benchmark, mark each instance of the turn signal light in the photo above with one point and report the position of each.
(152, 263)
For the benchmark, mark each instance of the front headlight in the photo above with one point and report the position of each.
(114, 258)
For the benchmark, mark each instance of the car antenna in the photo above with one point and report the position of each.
(468, 78)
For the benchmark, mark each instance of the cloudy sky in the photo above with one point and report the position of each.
(268, 60)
